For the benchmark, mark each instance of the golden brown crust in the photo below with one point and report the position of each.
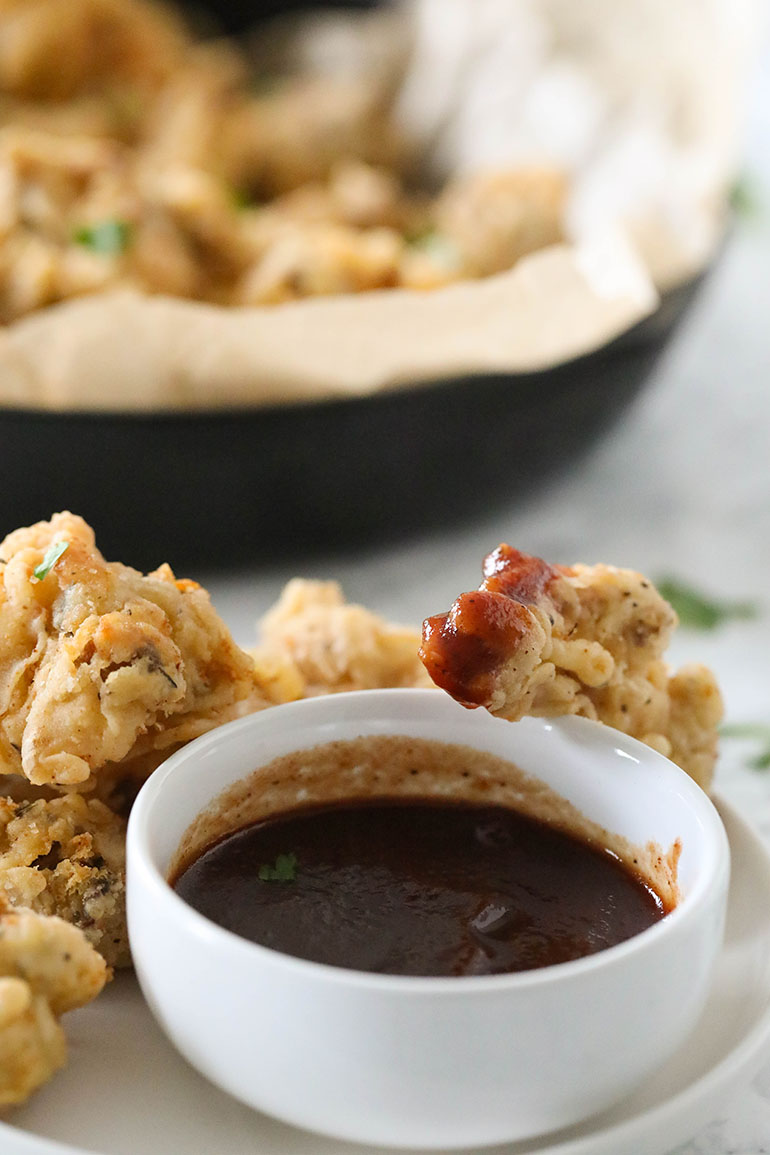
(32, 1044)
(46, 968)
(101, 664)
(549, 640)
(313, 642)
(52, 51)
(51, 955)
(496, 218)
(66, 857)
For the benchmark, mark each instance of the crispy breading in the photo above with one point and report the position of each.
(589, 640)
(66, 857)
(101, 664)
(134, 155)
(32, 1044)
(496, 218)
(52, 51)
(46, 968)
(313, 642)
(53, 956)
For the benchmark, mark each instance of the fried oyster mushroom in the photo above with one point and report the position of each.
(66, 857)
(314, 642)
(46, 969)
(548, 640)
(101, 664)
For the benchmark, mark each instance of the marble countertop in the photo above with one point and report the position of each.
(680, 487)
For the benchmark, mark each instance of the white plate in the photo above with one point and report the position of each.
(127, 1092)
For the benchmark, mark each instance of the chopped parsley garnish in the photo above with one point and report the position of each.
(745, 200)
(266, 83)
(417, 237)
(107, 237)
(435, 245)
(52, 555)
(755, 732)
(699, 612)
(127, 106)
(241, 199)
(285, 869)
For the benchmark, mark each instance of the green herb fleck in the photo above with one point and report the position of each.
(285, 869)
(127, 106)
(420, 235)
(755, 732)
(699, 612)
(267, 83)
(745, 200)
(107, 237)
(439, 247)
(241, 199)
(53, 553)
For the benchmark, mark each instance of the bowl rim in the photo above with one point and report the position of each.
(712, 880)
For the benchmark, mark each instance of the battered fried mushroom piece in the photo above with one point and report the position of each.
(314, 643)
(317, 260)
(54, 957)
(549, 640)
(46, 968)
(32, 1044)
(66, 857)
(100, 664)
(496, 218)
(53, 51)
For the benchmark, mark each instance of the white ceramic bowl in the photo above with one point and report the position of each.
(429, 1062)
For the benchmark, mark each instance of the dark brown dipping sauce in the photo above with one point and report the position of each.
(419, 887)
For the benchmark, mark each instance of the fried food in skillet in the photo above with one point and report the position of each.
(589, 640)
(133, 155)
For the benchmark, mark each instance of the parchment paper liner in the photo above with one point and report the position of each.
(122, 351)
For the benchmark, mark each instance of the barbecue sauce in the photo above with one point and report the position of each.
(418, 886)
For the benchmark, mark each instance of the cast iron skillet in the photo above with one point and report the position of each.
(237, 16)
(219, 489)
